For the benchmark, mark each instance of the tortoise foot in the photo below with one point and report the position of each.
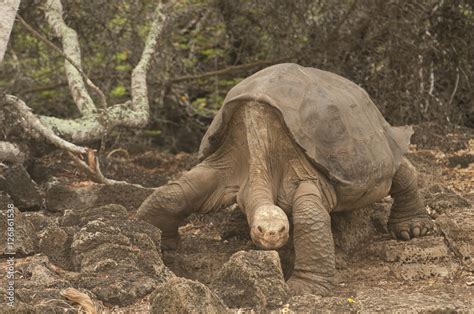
(410, 227)
(300, 286)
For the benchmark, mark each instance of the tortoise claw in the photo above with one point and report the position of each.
(405, 235)
(410, 228)
(416, 232)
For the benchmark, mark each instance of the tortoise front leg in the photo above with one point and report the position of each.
(314, 246)
(201, 189)
(408, 217)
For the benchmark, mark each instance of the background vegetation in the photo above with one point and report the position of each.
(415, 58)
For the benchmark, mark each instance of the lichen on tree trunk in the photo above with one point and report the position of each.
(95, 123)
(70, 42)
(8, 10)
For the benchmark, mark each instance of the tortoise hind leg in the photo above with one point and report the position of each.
(199, 190)
(408, 217)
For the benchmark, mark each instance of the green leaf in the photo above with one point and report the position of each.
(121, 55)
(123, 67)
(119, 91)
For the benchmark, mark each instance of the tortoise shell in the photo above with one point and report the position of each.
(332, 119)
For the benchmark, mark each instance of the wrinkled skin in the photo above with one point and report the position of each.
(259, 166)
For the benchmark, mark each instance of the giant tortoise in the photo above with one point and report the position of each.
(294, 143)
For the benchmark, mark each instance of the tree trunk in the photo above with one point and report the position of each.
(8, 10)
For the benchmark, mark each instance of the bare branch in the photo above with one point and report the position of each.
(94, 173)
(70, 42)
(93, 125)
(36, 125)
(91, 128)
(229, 70)
(139, 87)
(10, 152)
(221, 72)
(133, 113)
(335, 31)
(37, 89)
(455, 88)
(73, 68)
(432, 80)
(8, 10)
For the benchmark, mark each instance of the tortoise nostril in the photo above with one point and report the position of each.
(260, 229)
(282, 229)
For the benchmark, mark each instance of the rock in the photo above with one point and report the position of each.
(118, 285)
(119, 259)
(24, 192)
(55, 242)
(419, 271)
(127, 195)
(16, 236)
(354, 229)
(441, 199)
(80, 217)
(61, 197)
(5, 200)
(20, 307)
(180, 295)
(457, 228)
(252, 279)
(309, 303)
(416, 250)
(38, 219)
(41, 274)
(202, 267)
(419, 258)
(381, 300)
(102, 250)
(97, 239)
(37, 287)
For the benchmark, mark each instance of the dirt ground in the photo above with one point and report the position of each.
(77, 239)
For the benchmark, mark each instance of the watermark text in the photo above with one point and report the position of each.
(10, 246)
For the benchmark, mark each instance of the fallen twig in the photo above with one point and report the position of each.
(80, 298)
(92, 169)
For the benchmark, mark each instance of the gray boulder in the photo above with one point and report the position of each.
(180, 295)
(119, 260)
(252, 279)
(16, 236)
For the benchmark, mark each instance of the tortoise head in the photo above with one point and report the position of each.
(269, 228)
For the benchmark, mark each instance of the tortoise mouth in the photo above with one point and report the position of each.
(270, 245)
(269, 242)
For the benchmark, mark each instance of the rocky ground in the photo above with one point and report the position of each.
(71, 233)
